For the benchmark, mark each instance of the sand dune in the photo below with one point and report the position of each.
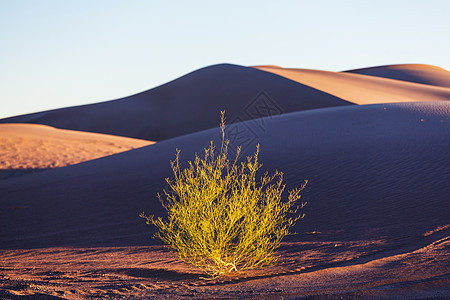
(378, 189)
(189, 104)
(425, 74)
(376, 225)
(363, 89)
(370, 168)
(27, 147)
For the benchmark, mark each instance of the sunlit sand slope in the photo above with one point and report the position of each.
(32, 147)
(358, 88)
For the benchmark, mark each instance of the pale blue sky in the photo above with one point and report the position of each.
(56, 53)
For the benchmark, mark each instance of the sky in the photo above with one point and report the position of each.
(56, 53)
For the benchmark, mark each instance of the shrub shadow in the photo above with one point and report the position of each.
(161, 274)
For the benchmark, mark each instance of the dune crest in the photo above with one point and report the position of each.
(267, 66)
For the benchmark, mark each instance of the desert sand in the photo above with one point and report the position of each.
(25, 148)
(377, 219)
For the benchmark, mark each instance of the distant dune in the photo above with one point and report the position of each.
(356, 87)
(189, 104)
(28, 147)
(425, 74)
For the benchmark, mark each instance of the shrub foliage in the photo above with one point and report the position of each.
(220, 217)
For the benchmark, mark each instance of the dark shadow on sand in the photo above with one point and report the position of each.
(161, 274)
(11, 173)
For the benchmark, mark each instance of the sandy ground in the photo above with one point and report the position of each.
(325, 270)
(376, 225)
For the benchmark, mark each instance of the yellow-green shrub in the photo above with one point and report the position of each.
(220, 217)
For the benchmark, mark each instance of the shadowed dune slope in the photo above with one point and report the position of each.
(418, 73)
(375, 172)
(189, 104)
(363, 89)
(34, 147)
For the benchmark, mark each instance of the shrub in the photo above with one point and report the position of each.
(219, 217)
